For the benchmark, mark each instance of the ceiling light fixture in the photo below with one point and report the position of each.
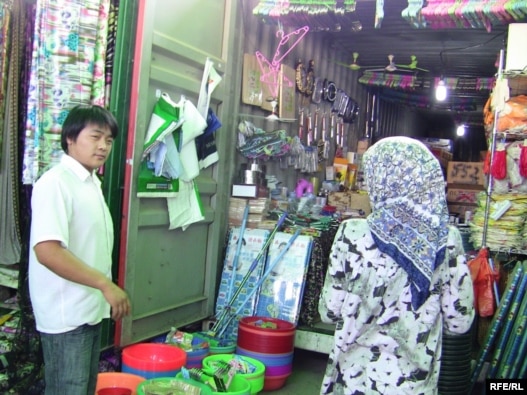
(441, 91)
(460, 131)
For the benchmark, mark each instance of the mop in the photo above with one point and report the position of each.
(227, 309)
(238, 250)
(278, 258)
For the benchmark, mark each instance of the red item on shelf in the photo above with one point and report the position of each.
(523, 160)
(483, 278)
(498, 168)
(486, 163)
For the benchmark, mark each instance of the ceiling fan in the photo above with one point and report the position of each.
(411, 67)
(354, 65)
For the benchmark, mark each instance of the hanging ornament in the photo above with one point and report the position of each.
(498, 168)
(486, 163)
(305, 77)
(523, 159)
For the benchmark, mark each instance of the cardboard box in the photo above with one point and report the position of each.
(350, 201)
(360, 201)
(466, 173)
(463, 193)
(340, 200)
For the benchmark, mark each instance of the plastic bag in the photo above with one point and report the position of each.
(483, 278)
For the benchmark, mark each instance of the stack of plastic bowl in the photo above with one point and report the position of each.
(255, 378)
(151, 360)
(114, 382)
(270, 341)
(200, 349)
(175, 383)
(218, 345)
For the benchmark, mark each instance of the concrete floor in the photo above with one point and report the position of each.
(306, 378)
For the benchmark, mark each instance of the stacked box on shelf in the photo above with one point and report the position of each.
(258, 209)
(441, 148)
(349, 201)
(465, 181)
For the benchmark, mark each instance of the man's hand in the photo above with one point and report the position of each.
(118, 300)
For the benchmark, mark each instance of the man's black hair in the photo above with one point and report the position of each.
(83, 115)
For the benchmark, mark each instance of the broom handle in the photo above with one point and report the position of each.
(228, 306)
(262, 279)
(238, 250)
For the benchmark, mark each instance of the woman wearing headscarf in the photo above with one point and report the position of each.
(396, 280)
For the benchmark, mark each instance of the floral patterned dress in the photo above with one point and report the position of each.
(382, 345)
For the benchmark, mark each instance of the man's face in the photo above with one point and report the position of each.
(92, 147)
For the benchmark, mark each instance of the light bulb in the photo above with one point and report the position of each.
(460, 131)
(441, 90)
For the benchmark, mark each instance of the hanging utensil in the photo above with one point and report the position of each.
(325, 150)
(301, 124)
(309, 129)
(319, 138)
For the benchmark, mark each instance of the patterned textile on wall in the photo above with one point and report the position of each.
(67, 68)
(110, 50)
(11, 48)
(316, 273)
(5, 18)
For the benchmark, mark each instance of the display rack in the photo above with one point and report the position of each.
(492, 148)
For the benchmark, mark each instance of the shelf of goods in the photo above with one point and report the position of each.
(500, 220)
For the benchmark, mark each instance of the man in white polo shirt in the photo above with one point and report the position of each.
(70, 259)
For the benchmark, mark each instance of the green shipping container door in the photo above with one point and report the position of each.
(170, 275)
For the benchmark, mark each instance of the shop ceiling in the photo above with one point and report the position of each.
(466, 52)
(385, 34)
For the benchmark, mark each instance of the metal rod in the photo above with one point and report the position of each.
(228, 306)
(260, 281)
(238, 250)
(492, 150)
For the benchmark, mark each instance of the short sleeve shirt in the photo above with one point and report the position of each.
(68, 206)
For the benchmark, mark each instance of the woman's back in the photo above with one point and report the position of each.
(383, 345)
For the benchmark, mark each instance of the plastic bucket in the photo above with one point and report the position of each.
(218, 346)
(109, 381)
(239, 386)
(173, 382)
(213, 350)
(255, 379)
(268, 359)
(255, 336)
(151, 360)
(114, 391)
(277, 367)
(284, 370)
(274, 382)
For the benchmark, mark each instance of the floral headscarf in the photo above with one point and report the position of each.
(409, 219)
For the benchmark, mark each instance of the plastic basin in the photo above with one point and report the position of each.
(114, 381)
(174, 381)
(151, 360)
(255, 379)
